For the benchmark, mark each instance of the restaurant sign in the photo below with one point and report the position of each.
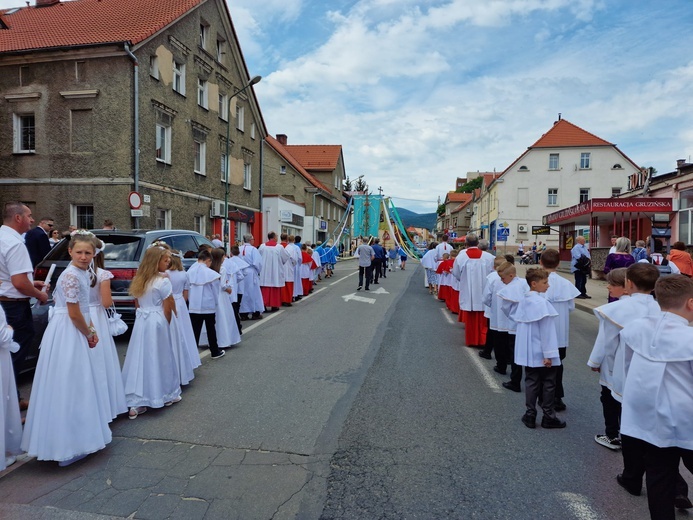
(632, 205)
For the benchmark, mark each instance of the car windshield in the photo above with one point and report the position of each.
(120, 248)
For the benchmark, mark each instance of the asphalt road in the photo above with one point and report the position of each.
(348, 405)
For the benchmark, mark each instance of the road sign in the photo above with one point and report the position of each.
(541, 230)
(135, 200)
(502, 234)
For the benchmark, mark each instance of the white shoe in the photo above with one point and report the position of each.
(10, 460)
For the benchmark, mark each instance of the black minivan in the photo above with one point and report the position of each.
(123, 251)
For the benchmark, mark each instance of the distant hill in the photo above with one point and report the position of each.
(419, 220)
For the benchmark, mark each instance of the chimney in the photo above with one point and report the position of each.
(46, 3)
(680, 163)
(282, 138)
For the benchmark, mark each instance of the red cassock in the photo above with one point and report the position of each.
(307, 283)
(444, 290)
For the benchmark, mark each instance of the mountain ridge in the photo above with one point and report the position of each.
(418, 220)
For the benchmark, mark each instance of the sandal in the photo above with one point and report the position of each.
(135, 411)
(174, 401)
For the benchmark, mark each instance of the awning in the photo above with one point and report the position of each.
(603, 210)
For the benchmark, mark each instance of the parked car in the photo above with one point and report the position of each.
(123, 251)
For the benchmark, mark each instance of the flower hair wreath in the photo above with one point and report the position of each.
(160, 244)
(88, 234)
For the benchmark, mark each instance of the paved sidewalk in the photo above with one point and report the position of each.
(595, 288)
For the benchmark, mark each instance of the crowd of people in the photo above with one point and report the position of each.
(79, 387)
(643, 351)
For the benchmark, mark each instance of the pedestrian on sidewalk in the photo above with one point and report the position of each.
(580, 265)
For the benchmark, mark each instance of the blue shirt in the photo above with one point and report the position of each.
(378, 251)
(575, 253)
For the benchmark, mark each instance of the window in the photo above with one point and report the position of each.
(221, 50)
(163, 139)
(80, 71)
(523, 197)
(223, 166)
(24, 133)
(154, 66)
(585, 161)
(282, 170)
(199, 224)
(26, 76)
(553, 161)
(252, 130)
(584, 195)
(200, 153)
(615, 192)
(247, 176)
(224, 107)
(179, 77)
(202, 93)
(336, 182)
(82, 216)
(240, 113)
(184, 243)
(163, 219)
(204, 32)
(553, 197)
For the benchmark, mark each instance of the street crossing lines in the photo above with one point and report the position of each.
(579, 506)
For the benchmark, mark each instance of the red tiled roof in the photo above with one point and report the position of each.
(461, 206)
(282, 150)
(453, 196)
(565, 134)
(88, 22)
(319, 157)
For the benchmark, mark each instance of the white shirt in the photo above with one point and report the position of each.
(14, 260)
(472, 274)
(441, 249)
(204, 289)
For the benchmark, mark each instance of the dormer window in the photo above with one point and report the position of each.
(617, 167)
(523, 169)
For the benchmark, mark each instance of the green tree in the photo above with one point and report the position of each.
(470, 186)
(347, 184)
(361, 185)
(441, 210)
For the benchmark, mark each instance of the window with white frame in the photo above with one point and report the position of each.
(223, 106)
(584, 195)
(615, 192)
(82, 215)
(221, 50)
(336, 182)
(223, 167)
(202, 89)
(553, 161)
(154, 66)
(163, 137)
(247, 176)
(200, 149)
(24, 133)
(585, 161)
(240, 115)
(204, 35)
(553, 197)
(252, 130)
(685, 216)
(199, 224)
(282, 170)
(80, 71)
(179, 77)
(163, 218)
(523, 197)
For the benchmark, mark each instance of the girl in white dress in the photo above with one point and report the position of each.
(65, 421)
(180, 286)
(104, 358)
(150, 371)
(227, 328)
(10, 417)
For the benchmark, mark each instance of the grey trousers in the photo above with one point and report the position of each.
(540, 384)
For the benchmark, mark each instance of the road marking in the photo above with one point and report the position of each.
(380, 291)
(579, 506)
(490, 380)
(344, 278)
(355, 298)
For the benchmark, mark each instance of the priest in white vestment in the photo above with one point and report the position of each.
(272, 277)
(251, 303)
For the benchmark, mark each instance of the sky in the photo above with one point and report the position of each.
(420, 92)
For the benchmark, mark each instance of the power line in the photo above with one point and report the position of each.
(415, 200)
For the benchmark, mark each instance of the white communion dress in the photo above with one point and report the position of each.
(180, 283)
(226, 326)
(150, 371)
(10, 417)
(65, 417)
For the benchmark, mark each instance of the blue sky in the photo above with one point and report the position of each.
(421, 92)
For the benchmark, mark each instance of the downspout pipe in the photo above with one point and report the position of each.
(262, 181)
(136, 112)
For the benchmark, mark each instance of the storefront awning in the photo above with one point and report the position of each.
(603, 210)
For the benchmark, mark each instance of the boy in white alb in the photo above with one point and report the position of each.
(640, 281)
(658, 390)
(493, 313)
(203, 295)
(536, 349)
(511, 295)
(561, 295)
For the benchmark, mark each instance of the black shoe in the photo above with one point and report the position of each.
(284, 304)
(244, 317)
(485, 355)
(588, 297)
(367, 289)
(682, 502)
(501, 371)
(628, 487)
(515, 388)
(220, 355)
(375, 283)
(257, 316)
(529, 421)
(359, 288)
(559, 405)
(552, 422)
(581, 297)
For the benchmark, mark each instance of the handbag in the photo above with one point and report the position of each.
(116, 326)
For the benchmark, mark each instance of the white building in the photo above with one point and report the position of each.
(566, 166)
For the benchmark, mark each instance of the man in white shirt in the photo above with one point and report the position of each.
(17, 285)
(443, 248)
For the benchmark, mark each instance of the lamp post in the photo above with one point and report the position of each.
(227, 166)
(314, 191)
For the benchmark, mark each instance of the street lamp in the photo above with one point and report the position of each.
(225, 231)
